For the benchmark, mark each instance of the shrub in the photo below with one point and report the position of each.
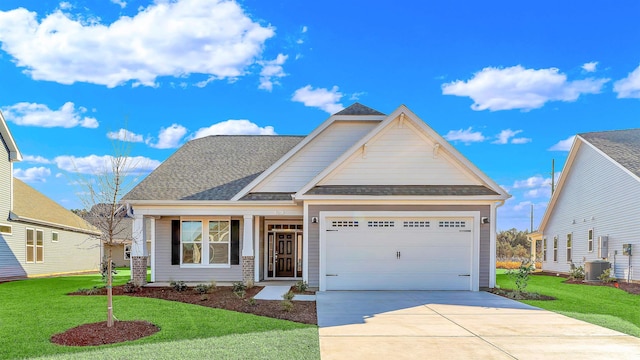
(287, 305)
(90, 291)
(203, 288)
(576, 273)
(130, 287)
(239, 288)
(606, 276)
(252, 301)
(104, 269)
(301, 286)
(178, 286)
(521, 275)
(249, 284)
(288, 296)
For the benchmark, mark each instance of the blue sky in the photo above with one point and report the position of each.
(507, 83)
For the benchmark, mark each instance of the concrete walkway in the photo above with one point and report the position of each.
(456, 325)
(275, 292)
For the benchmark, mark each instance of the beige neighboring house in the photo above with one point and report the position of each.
(367, 201)
(38, 237)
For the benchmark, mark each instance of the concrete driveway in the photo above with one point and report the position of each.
(456, 325)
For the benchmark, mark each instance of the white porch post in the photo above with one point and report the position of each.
(248, 264)
(256, 241)
(138, 251)
(152, 236)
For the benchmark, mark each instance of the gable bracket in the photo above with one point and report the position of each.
(401, 120)
(364, 150)
(436, 150)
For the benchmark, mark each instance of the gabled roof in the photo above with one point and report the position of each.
(621, 147)
(358, 109)
(31, 206)
(7, 139)
(407, 115)
(212, 168)
(402, 190)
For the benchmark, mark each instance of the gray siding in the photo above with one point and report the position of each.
(596, 195)
(117, 254)
(165, 272)
(314, 233)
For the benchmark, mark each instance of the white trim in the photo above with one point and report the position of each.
(14, 153)
(124, 251)
(475, 253)
(409, 117)
(41, 231)
(305, 243)
(10, 229)
(57, 235)
(207, 211)
(492, 245)
(152, 237)
(256, 249)
(15, 217)
(247, 236)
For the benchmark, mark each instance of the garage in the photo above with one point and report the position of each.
(399, 253)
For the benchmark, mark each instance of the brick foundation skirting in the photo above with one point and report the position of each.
(139, 270)
(247, 268)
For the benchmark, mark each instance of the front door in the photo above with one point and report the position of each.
(285, 254)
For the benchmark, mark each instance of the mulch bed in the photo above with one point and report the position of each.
(220, 298)
(99, 334)
(631, 288)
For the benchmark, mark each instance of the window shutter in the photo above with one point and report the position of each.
(235, 242)
(175, 242)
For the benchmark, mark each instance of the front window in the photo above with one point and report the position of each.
(555, 248)
(569, 248)
(590, 240)
(127, 252)
(212, 249)
(544, 249)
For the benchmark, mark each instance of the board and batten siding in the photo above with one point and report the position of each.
(314, 233)
(597, 194)
(165, 272)
(316, 156)
(73, 252)
(399, 156)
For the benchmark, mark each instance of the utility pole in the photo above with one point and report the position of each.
(553, 175)
(531, 217)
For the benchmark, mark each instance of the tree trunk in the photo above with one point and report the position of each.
(109, 292)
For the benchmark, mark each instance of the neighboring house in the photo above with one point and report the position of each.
(38, 237)
(595, 208)
(366, 201)
(121, 244)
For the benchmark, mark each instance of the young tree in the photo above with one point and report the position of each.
(101, 193)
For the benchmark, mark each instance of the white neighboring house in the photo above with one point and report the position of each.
(38, 237)
(595, 208)
(367, 201)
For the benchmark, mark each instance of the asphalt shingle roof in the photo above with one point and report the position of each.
(29, 203)
(213, 167)
(399, 190)
(267, 196)
(358, 109)
(623, 146)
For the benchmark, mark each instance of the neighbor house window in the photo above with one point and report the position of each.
(590, 240)
(212, 249)
(544, 249)
(127, 252)
(54, 236)
(569, 248)
(555, 248)
(5, 229)
(35, 246)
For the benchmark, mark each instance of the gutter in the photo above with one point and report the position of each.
(15, 217)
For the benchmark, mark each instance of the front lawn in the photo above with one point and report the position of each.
(31, 311)
(601, 305)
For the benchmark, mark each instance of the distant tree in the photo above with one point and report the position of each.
(512, 244)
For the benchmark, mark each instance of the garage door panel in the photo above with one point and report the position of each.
(399, 258)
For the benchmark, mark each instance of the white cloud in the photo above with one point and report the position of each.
(304, 29)
(122, 3)
(522, 205)
(65, 5)
(466, 136)
(36, 159)
(628, 87)
(169, 138)
(532, 182)
(590, 66)
(508, 136)
(34, 174)
(271, 71)
(321, 98)
(168, 38)
(519, 88)
(94, 164)
(563, 145)
(125, 135)
(32, 114)
(234, 127)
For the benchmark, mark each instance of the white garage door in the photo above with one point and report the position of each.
(399, 253)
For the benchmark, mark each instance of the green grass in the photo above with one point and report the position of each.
(601, 305)
(31, 311)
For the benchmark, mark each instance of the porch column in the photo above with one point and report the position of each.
(138, 251)
(248, 263)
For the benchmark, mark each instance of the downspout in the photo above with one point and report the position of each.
(493, 239)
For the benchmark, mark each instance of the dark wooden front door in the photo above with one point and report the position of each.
(285, 255)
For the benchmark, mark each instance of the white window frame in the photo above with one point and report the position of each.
(56, 235)
(4, 232)
(204, 256)
(569, 246)
(544, 249)
(41, 232)
(125, 252)
(590, 240)
(31, 251)
(555, 248)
